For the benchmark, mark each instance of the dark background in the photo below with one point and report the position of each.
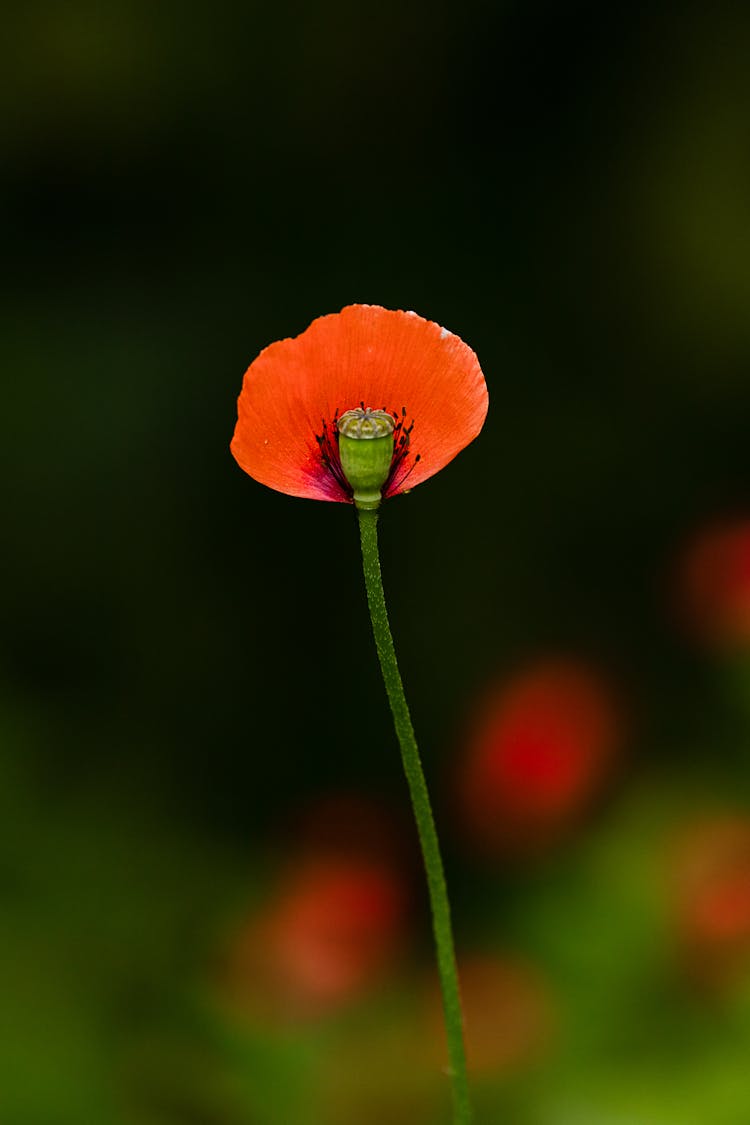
(185, 654)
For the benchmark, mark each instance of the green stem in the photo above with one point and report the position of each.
(441, 917)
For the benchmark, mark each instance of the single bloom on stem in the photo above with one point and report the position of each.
(365, 404)
(376, 373)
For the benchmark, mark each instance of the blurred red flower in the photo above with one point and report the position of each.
(541, 745)
(507, 1013)
(714, 584)
(709, 878)
(293, 393)
(347, 823)
(327, 936)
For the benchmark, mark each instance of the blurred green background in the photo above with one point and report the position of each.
(567, 187)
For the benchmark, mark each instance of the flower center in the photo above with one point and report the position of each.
(367, 452)
(366, 424)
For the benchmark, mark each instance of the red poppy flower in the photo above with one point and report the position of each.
(539, 751)
(709, 879)
(331, 931)
(347, 823)
(507, 1013)
(366, 357)
(715, 584)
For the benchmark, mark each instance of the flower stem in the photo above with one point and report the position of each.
(439, 905)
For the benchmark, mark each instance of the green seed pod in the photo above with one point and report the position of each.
(366, 452)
